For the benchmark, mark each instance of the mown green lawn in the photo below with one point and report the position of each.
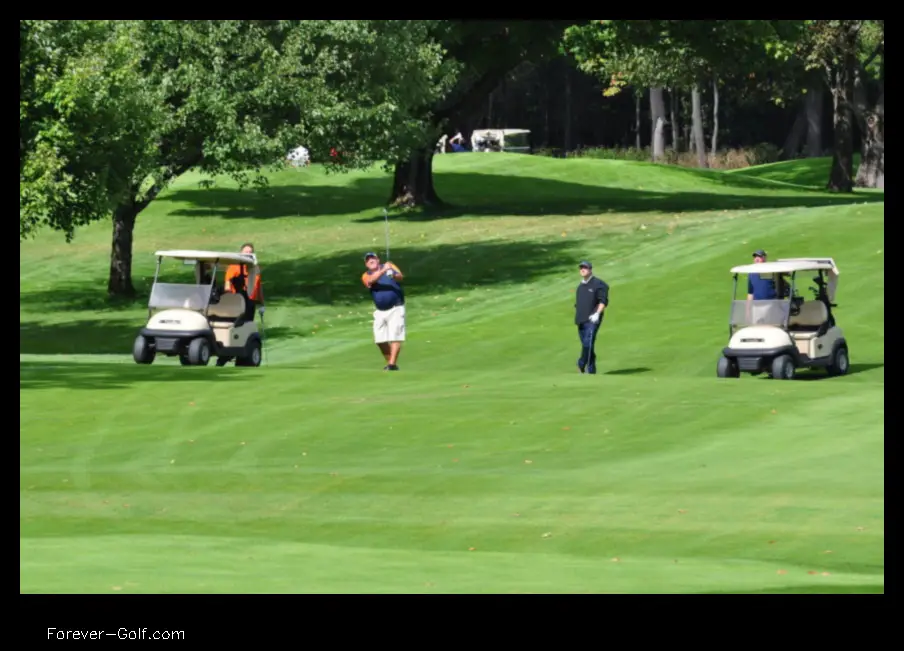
(487, 464)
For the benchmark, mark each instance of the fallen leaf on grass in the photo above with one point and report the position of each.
(682, 511)
(782, 572)
(517, 515)
(825, 574)
(616, 559)
(773, 411)
(191, 404)
(771, 542)
(465, 386)
(116, 587)
(811, 572)
(454, 460)
(242, 443)
(861, 528)
(528, 461)
(450, 446)
(828, 551)
(546, 535)
(471, 549)
(566, 429)
(125, 506)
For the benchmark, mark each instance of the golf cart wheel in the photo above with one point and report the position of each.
(727, 368)
(254, 355)
(783, 368)
(199, 352)
(840, 361)
(142, 351)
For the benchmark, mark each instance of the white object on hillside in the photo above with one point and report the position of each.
(299, 157)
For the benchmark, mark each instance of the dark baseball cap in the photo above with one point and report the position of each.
(584, 263)
(369, 255)
(759, 253)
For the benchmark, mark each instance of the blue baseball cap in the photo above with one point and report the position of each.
(584, 263)
(369, 255)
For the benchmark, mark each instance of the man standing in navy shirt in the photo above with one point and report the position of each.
(590, 299)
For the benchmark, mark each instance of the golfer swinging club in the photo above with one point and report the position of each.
(590, 299)
(389, 298)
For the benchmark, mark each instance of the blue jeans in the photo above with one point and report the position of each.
(587, 333)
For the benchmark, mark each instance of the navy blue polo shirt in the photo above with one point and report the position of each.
(763, 289)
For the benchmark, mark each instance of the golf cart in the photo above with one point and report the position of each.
(195, 321)
(781, 335)
(497, 140)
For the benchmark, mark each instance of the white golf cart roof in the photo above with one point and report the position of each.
(210, 256)
(788, 265)
(504, 132)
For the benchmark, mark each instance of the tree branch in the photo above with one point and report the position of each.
(879, 49)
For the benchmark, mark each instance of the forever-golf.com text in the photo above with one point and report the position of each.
(119, 634)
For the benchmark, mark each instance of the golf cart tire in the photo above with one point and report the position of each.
(841, 361)
(142, 351)
(783, 367)
(199, 352)
(727, 367)
(253, 355)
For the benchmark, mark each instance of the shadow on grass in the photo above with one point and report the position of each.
(101, 337)
(329, 280)
(472, 194)
(813, 589)
(811, 375)
(807, 172)
(49, 375)
(629, 371)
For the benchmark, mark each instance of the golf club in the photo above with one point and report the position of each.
(264, 338)
(386, 218)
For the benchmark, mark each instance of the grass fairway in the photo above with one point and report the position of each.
(487, 464)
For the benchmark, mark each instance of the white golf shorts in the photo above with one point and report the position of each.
(389, 325)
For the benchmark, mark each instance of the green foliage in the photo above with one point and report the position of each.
(136, 103)
(669, 53)
(90, 117)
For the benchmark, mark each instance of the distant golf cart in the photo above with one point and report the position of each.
(782, 335)
(198, 320)
(499, 140)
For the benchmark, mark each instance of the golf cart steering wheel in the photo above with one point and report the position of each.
(796, 302)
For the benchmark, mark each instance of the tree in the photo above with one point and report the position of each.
(673, 53)
(224, 97)
(481, 53)
(871, 116)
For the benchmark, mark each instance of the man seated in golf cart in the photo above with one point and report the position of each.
(237, 282)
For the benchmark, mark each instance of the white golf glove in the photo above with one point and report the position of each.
(595, 317)
(260, 310)
(390, 273)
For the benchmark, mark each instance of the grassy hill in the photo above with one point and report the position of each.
(488, 464)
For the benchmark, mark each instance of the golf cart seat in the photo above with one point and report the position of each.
(229, 308)
(807, 322)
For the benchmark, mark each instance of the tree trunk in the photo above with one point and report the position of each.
(637, 122)
(120, 282)
(813, 108)
(715, 141)
(657, 112)
(871, 173)
(676, 129)
(697, 119)
(795, 136)
(841, 75)
(413, 181)
(659, 138)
